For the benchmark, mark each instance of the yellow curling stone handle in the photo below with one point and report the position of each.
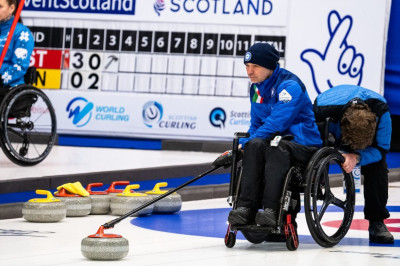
(156, 190)
(49, 198)
(127, 191)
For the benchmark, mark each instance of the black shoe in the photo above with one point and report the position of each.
(266, 217)
(378, 233)
(242, 216)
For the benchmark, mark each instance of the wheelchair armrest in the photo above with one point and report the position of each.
(30, 76)
(239, 135)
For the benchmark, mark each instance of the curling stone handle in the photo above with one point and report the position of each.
(117, 183)
(44, 192)
(111, 224)
(127, 190)
(158, 185)
(49, 196)
(89, 187)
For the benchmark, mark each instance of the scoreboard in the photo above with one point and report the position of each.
(206, 62)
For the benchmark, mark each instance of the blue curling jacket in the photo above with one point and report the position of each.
(333, 102)
(281, 104)
(16, 61)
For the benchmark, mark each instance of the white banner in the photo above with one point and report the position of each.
(331, 43)
(149, 116)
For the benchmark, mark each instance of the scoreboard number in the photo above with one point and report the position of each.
(96, 39)
(227, 44)
(113, 38)
(210, 45)
(193, 43)
(177, 42)
(161, 42)
(242, 44)
(145, 41)
(93, 81)
(79, 41)
(128, 41)
(84, 80)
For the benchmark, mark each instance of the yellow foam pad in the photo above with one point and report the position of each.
(75, 188)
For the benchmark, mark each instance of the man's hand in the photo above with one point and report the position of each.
(350, 161)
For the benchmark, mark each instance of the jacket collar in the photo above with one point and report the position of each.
(265, 86)
(6, 25)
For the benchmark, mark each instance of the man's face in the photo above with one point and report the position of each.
(257, 73)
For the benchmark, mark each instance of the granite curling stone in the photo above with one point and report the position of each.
(170, 204)
(77, 205)
(44, 210)
(100, 199)
(127, 201)
(102, 246)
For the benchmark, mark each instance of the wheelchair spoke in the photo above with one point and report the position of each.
(30, 140)
(40, 116)
(328, 199)
(16, 133)
(339, 203)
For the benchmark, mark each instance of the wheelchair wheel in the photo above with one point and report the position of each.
(254, 237)
(291, 244)
(28, 125)
(230, 240)
(319, 199)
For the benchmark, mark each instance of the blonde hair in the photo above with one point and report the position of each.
(358, 126)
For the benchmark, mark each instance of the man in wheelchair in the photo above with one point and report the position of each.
(281, 106)
(363, 133)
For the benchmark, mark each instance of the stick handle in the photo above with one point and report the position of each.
(10, 34)
(111, 224)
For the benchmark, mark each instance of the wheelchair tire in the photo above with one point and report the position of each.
(28, 125)
(318, 197)
(290, 245)
(254, 237)
(230, 240)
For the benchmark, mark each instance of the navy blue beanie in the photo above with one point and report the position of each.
(262, 54)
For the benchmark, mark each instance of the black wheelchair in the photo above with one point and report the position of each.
(314, 181)
(27, 123)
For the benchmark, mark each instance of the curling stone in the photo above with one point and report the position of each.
(112, 191)
(77, 205)
(170, 204)
(44, 210)
(100, 199)
(127, 201)
(102, 246)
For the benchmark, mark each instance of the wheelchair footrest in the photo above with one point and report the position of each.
(256, 228)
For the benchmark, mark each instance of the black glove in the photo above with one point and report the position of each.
(225, 159)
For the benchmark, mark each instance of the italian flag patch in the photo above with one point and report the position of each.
(257, 97)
